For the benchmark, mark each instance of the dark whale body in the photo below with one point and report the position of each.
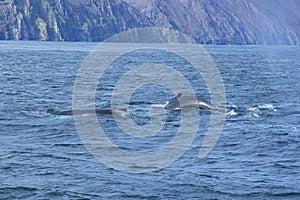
(104, 111)
(181, 102)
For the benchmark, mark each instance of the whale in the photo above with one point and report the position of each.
(189, 102)
(103, 111)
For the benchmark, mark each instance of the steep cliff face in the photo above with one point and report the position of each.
(69, 20)
(228, 21)
(206, 21)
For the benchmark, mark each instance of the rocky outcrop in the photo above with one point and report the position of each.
(206, 21)
(228, 21)
(68, 20)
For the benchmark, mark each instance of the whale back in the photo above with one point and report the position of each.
(180, 102)
(103, 111)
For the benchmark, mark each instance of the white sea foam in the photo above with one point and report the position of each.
(231, 113)
(258, 111)
(252, 109)
(267, 106)
(233, 106)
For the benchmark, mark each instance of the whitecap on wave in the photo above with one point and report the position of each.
(231, 113)
(233, 110)
(268, 107)
(261, 110)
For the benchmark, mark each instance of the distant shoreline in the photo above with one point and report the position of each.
(232, 22)
(89, 42)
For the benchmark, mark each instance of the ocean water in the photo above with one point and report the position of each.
(256, 156)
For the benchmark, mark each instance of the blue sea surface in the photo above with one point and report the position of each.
(256, 157)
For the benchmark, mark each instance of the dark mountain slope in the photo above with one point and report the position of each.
(207, 21)
(228, 21)
(69, 20)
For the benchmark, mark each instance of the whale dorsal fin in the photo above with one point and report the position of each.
(179, 95)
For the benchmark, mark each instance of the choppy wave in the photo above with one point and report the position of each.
(261, 110)
(252, 111)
